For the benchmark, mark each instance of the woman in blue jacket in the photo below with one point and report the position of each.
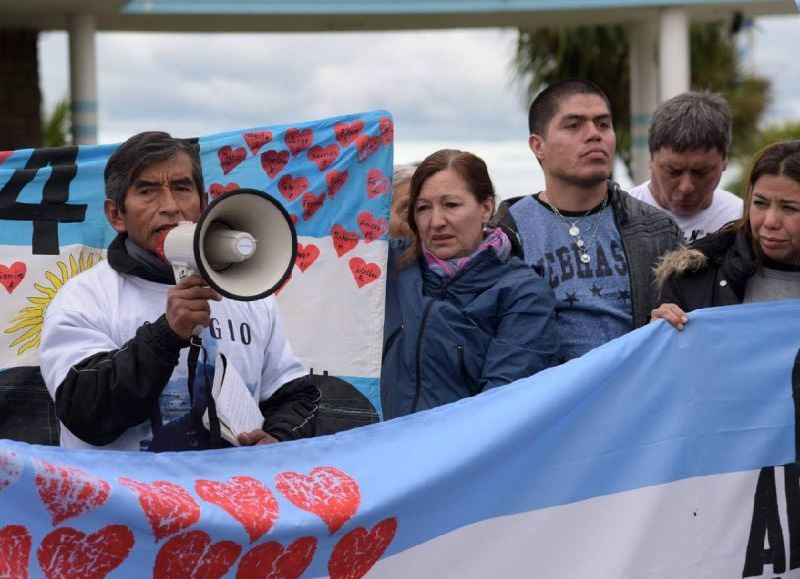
(462, 315)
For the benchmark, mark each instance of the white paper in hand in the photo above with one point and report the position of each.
(237, 410)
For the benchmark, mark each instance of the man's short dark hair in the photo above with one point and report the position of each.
(691, 121)
(142, 151)
(545, 106)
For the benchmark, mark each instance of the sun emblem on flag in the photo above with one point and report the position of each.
(30, 318)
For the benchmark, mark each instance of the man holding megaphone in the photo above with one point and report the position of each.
(118, 339)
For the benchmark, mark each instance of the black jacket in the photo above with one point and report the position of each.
(713, 271)
(124, 390)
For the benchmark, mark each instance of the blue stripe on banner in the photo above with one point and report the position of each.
(650, 408)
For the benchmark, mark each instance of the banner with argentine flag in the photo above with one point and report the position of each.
(657, 455)
(333, 176)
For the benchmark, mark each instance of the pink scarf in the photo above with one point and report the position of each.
(496, 239)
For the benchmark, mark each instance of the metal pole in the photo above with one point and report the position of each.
(83, 74)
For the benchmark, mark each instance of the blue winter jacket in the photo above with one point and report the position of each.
(491, 324)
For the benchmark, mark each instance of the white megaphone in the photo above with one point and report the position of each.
(244, 245)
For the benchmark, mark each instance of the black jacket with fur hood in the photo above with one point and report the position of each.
(713, 271)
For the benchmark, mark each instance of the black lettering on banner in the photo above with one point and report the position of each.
(619, 256)
(54, 208)
(766, 524)
(567, 270)
(791, 479)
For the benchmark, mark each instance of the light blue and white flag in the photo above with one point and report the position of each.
(657, 455)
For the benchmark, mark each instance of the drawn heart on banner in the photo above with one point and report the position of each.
(217, 189)
(306, 255)
(291, 188)
(68, 491)
(387, 131)
(230, 158)
(193, 555)
(15, 551)
(10, 468)
(323, 157)
(167, 506)
(245, 499)
(371, 228)
(366, 146)
(67, 552)
(335, 181)
(293, 217)
(256, 140)
(13, 275)
(326, 492)
(343, 240)
(347, 133)
(272, 560)
(273, 162)
(298, 141)
(377, 183)
(359, 550)
(364, 273)
(311, 204)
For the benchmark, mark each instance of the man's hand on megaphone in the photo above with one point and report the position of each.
(187, 305)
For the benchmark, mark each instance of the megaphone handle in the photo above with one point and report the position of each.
(182, 272)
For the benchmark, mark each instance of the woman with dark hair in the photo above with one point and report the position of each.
(756, 258)
(462, 315)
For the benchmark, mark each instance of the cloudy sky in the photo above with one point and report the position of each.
(444, 88)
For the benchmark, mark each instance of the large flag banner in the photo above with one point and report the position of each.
(657, 455)
(333, 176)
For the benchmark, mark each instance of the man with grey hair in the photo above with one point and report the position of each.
(689, 138)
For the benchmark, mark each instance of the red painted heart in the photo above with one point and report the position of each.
(311, 204)
(343, 240)
(10, 468)
(4, 155)
(229, 157)
(15, 551)
(273, 561)
(323, 157)
(326, 492)
(67, 552)
(335, 181)
(245, 499)
(167, 506)
(256, 140)
(366, 146)
(387, 130)
(217, 189)
(283, 285)
(192, 556)
(306, 255)
(370, 227)
(293, 217)
(273, 162)
(377, 183)
(364, 273)
(298, 141)
(67, 491)
(346, 134)
(356, 552)
(13, 275)
(291, 188)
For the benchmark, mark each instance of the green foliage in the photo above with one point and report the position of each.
(760, 139)
(56, 126)
(601, 54)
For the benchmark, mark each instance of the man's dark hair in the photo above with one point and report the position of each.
(142, 151)
(545, 106)
(691, 121)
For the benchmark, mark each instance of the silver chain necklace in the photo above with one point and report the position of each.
(574, 232)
